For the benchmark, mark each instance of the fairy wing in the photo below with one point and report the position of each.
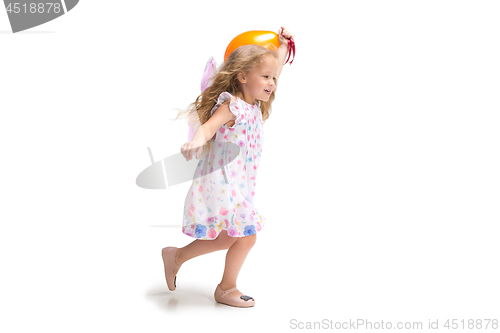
(206, 81)
(207, 78)
(193, 123)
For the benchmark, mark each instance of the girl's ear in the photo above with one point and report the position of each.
(241, 77)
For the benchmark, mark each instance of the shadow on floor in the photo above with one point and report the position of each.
(181, 298)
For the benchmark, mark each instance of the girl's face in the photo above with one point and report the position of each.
(262, 80)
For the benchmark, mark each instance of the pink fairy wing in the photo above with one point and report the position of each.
(210, 69)
(206, 81)
(193, 123)
(191, 132)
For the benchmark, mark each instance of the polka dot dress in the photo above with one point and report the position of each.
(212, 204)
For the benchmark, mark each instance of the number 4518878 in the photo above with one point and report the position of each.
(472, 324)
(34, 7)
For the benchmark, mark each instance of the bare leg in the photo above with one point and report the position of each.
(235, 257)
(199, 247)
(194, 249)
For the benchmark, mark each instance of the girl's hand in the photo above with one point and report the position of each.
(287, 46)
(284, 35)
(190, 148)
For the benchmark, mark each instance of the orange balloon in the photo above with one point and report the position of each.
(264, 38)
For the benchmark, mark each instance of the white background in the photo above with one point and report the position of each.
(379, 175)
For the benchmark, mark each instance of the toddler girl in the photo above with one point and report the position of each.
(219, 208)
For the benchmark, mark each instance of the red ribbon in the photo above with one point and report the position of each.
(291, 48)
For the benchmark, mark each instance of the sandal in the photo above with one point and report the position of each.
(168, 255)
(244, 301)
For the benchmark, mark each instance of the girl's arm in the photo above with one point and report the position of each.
(206, 131)
(284, 35)
(282, 52)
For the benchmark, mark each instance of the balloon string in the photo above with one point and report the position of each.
(291, 49)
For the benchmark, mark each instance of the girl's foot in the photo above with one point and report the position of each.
(233, 297)
(171, 268)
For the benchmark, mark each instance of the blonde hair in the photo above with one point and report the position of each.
(245, 59)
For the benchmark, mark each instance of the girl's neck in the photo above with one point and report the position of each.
(246, 99)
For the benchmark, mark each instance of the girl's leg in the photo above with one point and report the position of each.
(235, 257)
(194, 249)
(199, 247)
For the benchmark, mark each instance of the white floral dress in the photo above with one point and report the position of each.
(212, 204)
